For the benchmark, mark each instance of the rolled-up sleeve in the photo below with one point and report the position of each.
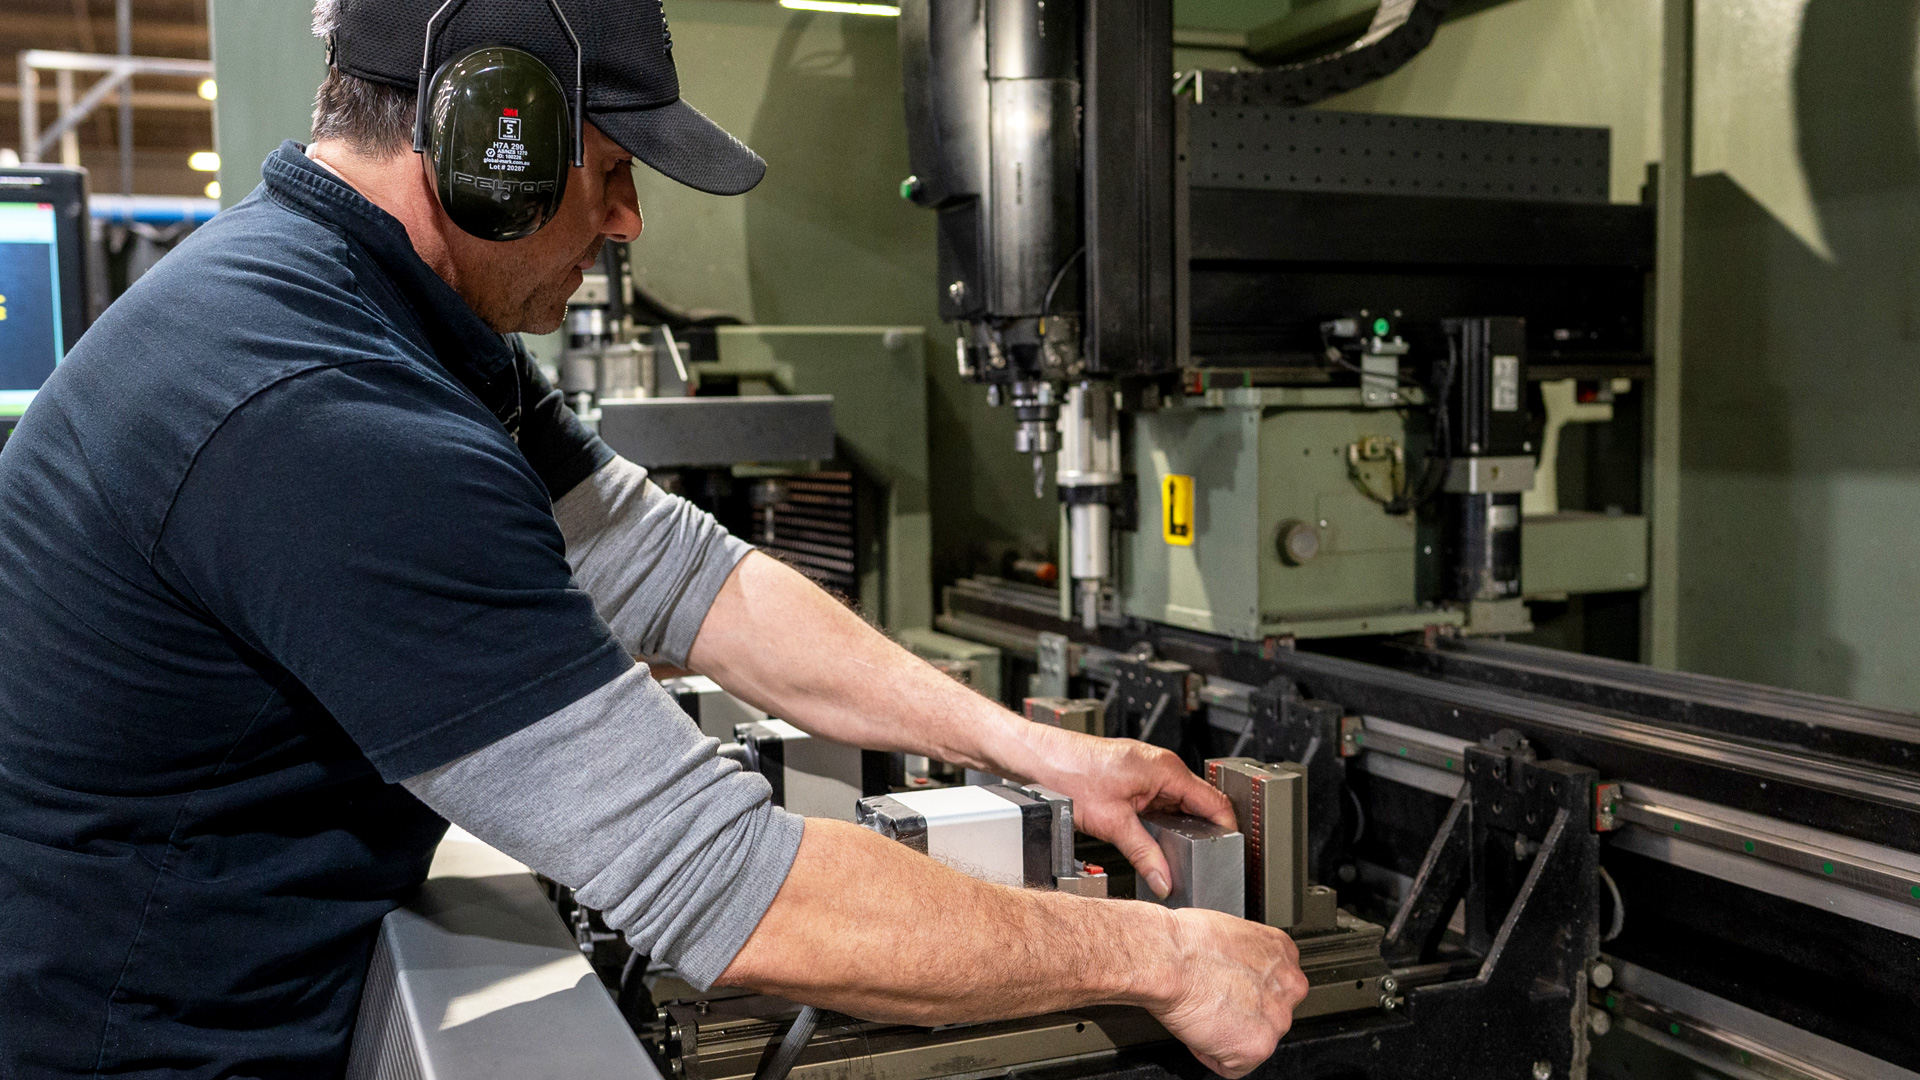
(620, 797)
(651, 561)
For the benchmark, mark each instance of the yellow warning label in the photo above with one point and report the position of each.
(1176, 510)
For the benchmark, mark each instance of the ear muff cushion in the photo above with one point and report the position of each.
(499, 141)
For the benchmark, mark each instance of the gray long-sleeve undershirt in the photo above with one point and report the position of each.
(618, 795)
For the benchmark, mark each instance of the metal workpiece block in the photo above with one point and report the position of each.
(1208, 863)
(1270, 804)
(1084, 715)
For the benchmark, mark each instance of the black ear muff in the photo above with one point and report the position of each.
(498, 137)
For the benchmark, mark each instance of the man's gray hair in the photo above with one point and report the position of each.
(375, 120)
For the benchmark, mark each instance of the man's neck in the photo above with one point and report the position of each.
(397, 184)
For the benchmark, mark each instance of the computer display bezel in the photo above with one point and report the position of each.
(66, 190)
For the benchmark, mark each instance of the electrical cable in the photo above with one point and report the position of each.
(1060, 275)
(1433, 475)
(1619, 907)
(781, 1063)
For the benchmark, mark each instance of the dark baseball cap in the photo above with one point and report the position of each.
(632, 89)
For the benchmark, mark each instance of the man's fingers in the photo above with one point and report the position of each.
(1213, 1064)
(1145, 855)
(1201, 799)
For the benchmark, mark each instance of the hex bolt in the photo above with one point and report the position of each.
(1599, 1021)
(1602, 976)
(1389, 984)
(1542, 1070)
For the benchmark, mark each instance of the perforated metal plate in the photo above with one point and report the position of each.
(1277, 149)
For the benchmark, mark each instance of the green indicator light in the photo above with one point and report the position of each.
(1749, 846)
(1914, 892)
(1826, 868)
(1613, 1002)
(1746, 1058)
(1676, 826)
(1673, 1029)
(1359, 738)
(1403, 751)
(1450, 765)
(1380, 327)
(908, 187)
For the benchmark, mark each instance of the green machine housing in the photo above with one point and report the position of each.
(1269, 464)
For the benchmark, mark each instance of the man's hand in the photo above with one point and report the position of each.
(1235, 990)
(1113, 781)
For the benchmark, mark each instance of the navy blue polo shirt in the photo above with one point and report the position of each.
(276, 535)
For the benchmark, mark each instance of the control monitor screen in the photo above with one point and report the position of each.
(32, 309)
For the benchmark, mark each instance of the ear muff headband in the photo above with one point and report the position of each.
(579, 103)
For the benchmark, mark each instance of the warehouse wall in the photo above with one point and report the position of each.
(1801, 532)
(268, 66)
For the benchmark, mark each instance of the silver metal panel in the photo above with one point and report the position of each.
(675, 432)
(821, 778)
(477, 979)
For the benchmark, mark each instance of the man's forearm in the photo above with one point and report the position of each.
(778, 641)
(999, 952)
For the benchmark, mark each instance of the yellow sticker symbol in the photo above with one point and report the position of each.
(3, 309)
(1176, 510)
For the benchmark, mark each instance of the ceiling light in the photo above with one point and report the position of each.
(842, 8)
(203, 161)
(209, 89)
(213, 189)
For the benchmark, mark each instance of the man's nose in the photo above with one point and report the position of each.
(623, 222)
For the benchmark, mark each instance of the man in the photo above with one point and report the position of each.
(301, 558)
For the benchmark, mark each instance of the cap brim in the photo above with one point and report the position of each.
(682, 144)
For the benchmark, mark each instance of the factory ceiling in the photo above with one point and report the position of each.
(172, 120)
